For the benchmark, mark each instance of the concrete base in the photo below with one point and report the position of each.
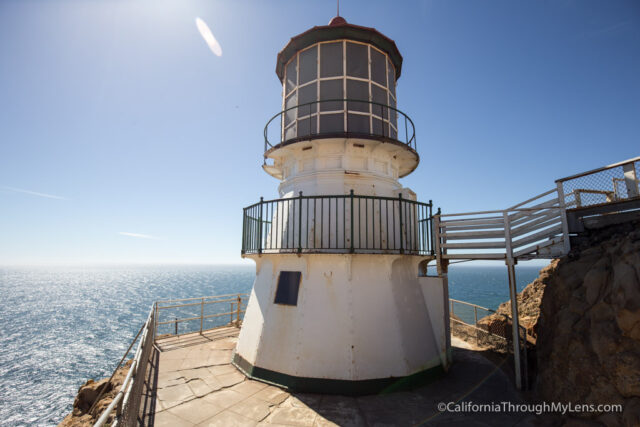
(358, 317)
(342, 387)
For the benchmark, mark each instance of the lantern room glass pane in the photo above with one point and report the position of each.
(330, 123)
(392, 113)
(331, 89)
(358, 90)
(290, 132)
(377, 127)
(290, 115)
(357, 60)
(308, 126)
(308, 65)
(307, 94)
(378, 67)
(292, 75)
(331, 59)
(391, 75)
(394, 134)
(379, 96)
(358, 123)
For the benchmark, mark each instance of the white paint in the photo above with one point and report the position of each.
(331, 166)
(377, 325)
(358, 316)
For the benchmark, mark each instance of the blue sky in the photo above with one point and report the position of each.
(120, 111)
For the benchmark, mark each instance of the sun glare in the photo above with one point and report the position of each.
(208, 37)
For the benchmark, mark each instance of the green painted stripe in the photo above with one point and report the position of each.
(343, 387)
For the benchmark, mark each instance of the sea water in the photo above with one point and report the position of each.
(63, 325)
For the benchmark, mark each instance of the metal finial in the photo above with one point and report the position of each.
(338, 10)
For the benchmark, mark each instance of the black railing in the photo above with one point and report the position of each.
(338, 224)
(331, 118)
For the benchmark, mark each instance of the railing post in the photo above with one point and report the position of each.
(630, 179)
(155, 321)
(436, 242)
(400, 218)
(513, 293)
(201, 314)
(475, 314)
(260, 226)
(566, 240)
(406, 131)
(300, 218)
(175, 323)
(244, 231)
(231, 313)
(238, 311)
(351, 227)
(431, 245)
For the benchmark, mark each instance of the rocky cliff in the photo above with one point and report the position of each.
(588, 347)
(81, 416)
(584, 310)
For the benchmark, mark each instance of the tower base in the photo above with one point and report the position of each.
(342, 387)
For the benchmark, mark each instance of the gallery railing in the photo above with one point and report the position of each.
(346, 223)
(329, 118)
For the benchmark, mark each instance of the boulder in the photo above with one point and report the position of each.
(82, 415)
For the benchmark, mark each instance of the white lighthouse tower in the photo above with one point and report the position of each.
(339, 303)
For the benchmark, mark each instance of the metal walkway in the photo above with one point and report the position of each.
(538, 228)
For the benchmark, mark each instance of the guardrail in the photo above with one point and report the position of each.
(126, 403)
(523, 231)
(613, 183)
(471, 323)
(331, 118)
(186, 315)
(346, 223)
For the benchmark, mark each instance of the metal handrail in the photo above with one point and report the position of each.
(343, 223)
(199, 298)
(121, 398)
(591, 172)
(409, 140)
(517, 232)
(146, 335)
(237, 300)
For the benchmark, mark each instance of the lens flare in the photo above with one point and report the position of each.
(208, 37)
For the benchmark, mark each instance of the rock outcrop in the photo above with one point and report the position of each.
(588, 347)
(81, 415)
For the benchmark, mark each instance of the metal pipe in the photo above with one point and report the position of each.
(201, 315)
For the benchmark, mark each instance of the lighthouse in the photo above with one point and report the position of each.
(341, 301)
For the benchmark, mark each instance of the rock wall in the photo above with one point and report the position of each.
(588, 348)
(584, 310)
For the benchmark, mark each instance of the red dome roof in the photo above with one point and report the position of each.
(337, 20)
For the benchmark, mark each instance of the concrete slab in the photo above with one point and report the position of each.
(195, 384)
(228, 419)
(252, 408)
(196, 411)
(303, 417)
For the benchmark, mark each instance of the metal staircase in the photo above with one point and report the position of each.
(539, 228)
(535, 228)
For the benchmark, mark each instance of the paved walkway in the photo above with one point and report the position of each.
(194, 384)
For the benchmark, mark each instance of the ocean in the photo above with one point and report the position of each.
(64, 325)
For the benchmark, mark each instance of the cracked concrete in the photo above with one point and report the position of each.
(195, 384)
